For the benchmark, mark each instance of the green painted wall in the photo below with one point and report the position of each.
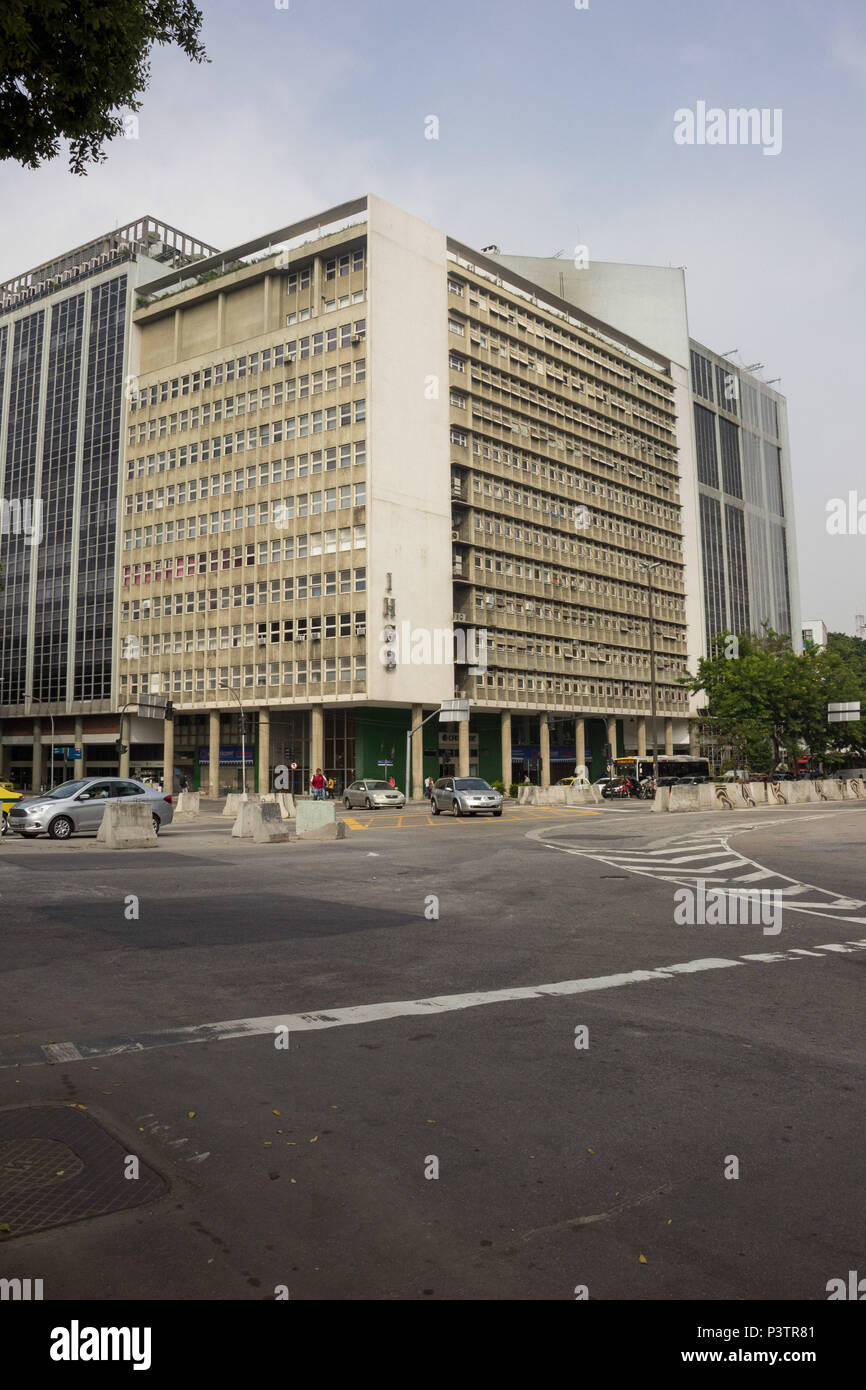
(377, 732)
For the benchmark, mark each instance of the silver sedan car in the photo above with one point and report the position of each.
(80, 805)
(373, 795)
(465, 796)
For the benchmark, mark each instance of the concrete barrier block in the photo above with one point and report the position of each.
(829, 789)
(244, 820)
(581, 796)
(684, 799)
(186, 808)
(127, 825)
(662, 799)
(284, 800)
(267, 824)
(317, 820)
(854, 789)
(234, 799)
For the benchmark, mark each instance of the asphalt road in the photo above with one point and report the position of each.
(558, 1165)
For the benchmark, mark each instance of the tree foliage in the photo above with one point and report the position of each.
(767, 698)
(68, 68)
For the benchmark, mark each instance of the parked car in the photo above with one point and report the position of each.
(372, 794)
(465, 796)
(602, 782)
(79, 806)
(573, 782)
(8, 798)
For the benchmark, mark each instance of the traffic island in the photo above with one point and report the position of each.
(127, 825)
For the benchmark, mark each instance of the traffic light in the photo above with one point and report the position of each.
(169, 710)
(121, 748)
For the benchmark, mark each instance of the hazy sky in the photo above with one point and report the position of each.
(555, 128)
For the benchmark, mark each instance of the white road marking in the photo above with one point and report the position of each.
(412, 1008)
(710, 859)
(62, 1052)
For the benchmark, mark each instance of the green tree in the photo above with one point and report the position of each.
(762, 697)
(69, 67)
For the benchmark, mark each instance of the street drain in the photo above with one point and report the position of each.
(58, 1165)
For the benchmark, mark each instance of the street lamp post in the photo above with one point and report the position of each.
(51, 717)
(649, 566)
(224, 685)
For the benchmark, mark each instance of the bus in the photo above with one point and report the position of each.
(670, 765)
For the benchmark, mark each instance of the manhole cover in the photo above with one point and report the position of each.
(58, 1165)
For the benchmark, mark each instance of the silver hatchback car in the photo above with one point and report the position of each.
(465, 796)
(79, 806)
(373, 795)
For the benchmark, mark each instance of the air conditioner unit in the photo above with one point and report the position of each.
(460, 617)
(355, 341)
(455, 535)
(360, 629)
(315, 636)
(301, 637)
(290, 356)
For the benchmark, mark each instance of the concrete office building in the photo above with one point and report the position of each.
(735, 476)
(66, 349)
(350, 437)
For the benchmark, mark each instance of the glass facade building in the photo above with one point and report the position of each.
(66, 349)
(745, 506)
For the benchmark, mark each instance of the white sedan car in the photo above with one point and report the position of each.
(373, 795)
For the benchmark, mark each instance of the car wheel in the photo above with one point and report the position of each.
(5, 825)
(368, 803)
(455, 806)
(347, 803)
(498, 813)
(434, 809)
(61, 828)
(156, 824)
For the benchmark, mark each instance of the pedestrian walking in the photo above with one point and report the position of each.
(428, 786)
(184, 783)
(318, 784)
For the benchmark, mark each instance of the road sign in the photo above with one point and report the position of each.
(384, 762)
(61, 752)
(454, 712)
(154, 706)
(293, 766)
(843, 713)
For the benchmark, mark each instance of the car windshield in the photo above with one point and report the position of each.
(380, 787)
(65, 790)
(472, 784)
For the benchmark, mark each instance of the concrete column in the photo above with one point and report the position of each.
(417, 788)
(214, 750)
(78, 765)
(544, 741)
(505, 735)
(463, 749)
(611, 735)
(580, 743)
(669, 736)
(168, 756)
(36, 780)
(264, 750)
(4, 760)
(317, 738)
(641, 737)
(694, 739)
